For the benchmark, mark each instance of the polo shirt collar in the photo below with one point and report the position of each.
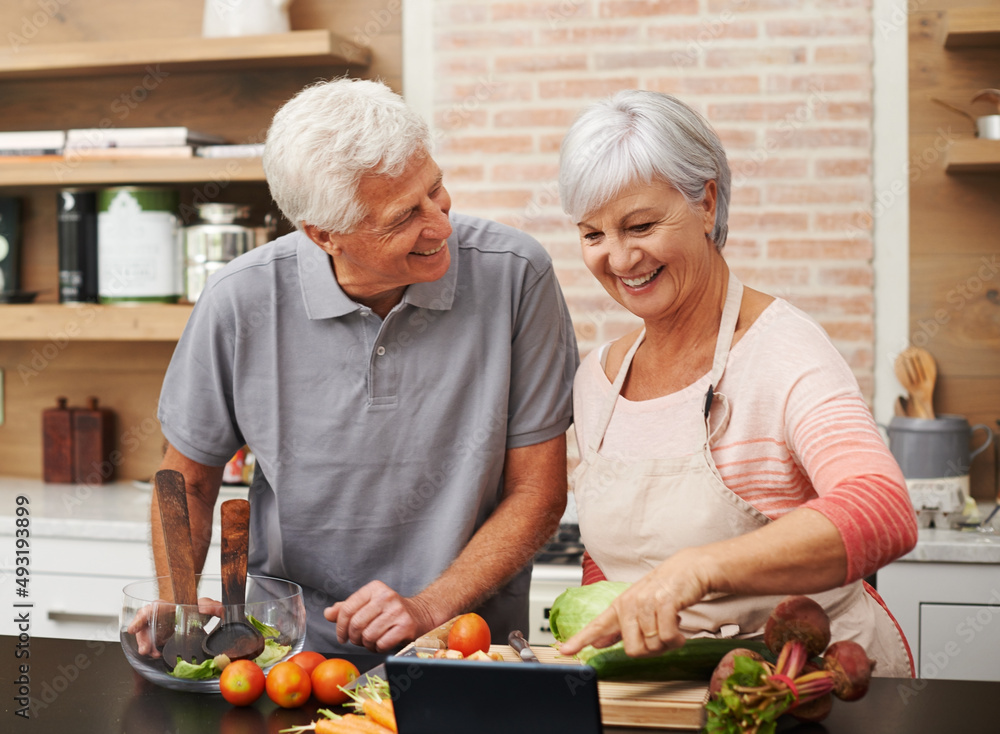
(325, 299)
(323, 296)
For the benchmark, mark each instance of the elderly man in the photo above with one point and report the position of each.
(402, 375)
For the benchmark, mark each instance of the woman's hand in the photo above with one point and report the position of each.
(645, 616)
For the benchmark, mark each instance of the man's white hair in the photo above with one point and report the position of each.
(329, 135)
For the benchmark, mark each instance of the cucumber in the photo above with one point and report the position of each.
(695, 660)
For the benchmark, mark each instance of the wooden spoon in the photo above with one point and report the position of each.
(171, 500)
(917, 373)
(235, 637)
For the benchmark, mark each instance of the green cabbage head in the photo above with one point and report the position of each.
(575, 608)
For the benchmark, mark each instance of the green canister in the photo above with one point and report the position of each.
(139, 254)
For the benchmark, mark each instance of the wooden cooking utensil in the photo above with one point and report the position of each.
(235, 637)
(901, 406)
(171, 500)
(917, 373)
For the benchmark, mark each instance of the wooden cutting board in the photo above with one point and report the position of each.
(653, 704)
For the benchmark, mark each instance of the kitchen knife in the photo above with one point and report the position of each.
(436, 639)
(521, 646)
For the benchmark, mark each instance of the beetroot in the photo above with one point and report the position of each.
(798, 618)
(851, 669)
(814, 710)
(725, 667)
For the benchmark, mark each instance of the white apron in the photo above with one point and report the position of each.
(635, 514)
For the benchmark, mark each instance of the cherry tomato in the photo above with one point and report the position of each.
(288, 685)
(468, 634)
(330, 674)
(308, 660)
(241, 682)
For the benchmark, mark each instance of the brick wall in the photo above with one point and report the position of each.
(786, 83)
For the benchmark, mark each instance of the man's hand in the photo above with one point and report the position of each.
(378, 618)
(153, 624)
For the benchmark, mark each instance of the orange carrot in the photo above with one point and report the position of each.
(381, 712)
(350, 724)
(332, 726)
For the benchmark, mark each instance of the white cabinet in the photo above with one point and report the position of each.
(960, 641)
(75, 585)
(950, 614)
(81, 555)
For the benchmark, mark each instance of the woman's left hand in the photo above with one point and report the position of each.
(645, 616)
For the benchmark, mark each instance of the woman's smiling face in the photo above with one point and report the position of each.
(649, 248)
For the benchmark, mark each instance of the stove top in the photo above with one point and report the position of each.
(563, 548)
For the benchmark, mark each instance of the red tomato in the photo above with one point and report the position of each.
(241, 682)
(468, 634)
(288, 685)
(308, 660)
(329, 675)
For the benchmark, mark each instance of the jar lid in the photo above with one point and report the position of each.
(218, 213)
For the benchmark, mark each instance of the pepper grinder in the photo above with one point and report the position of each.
(57, 443)
(92, 440)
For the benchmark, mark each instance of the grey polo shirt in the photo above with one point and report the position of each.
(379, 444)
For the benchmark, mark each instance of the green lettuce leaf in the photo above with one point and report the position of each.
(264, 629)
(189, 671)
(273, 652)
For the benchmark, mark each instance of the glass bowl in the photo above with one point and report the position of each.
(275, 603)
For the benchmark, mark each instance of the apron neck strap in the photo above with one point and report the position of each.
(727, 328)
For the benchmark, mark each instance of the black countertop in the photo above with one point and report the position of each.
(88, 687)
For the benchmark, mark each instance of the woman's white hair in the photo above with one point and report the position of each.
(640, 136)
(329, 135)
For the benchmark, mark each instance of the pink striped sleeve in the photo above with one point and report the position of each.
(861, 489)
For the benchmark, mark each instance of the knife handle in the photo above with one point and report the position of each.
(516, 640)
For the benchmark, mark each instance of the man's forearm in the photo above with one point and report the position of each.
(534, 500)
(202, 488)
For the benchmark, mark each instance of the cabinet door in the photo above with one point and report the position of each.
(959, 641)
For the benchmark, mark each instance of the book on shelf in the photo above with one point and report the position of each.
(243, 150)
(146, 151)
(138, 137)
(29, 152)
(32, 142)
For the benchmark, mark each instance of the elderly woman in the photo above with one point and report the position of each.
(727, 455)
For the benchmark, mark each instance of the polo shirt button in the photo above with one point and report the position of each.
(380, 351)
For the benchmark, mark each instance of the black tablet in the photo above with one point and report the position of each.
(455, 696)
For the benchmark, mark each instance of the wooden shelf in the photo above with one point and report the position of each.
(973, 156)
(966, 27)
(57, 171)
(296, 48)
(93, 322)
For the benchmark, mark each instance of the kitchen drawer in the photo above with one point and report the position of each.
(74, 607)
(76, 584)
(84, 557)
(959, 641)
